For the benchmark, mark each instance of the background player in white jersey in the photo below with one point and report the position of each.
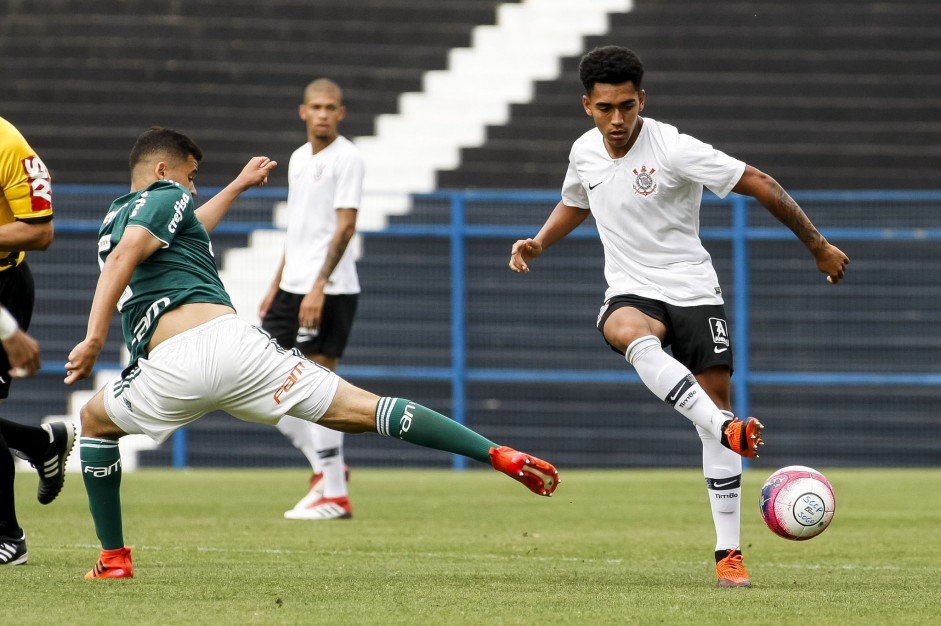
(190, 353)
(643, 182)
(312, 300)
(25, 224)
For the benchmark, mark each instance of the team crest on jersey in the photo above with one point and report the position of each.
(644, 182)
(319, 169)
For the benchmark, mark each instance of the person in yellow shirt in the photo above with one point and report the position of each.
(25, 224)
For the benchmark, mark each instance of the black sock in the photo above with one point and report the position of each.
(9, 527)
(721, 554)
(32, 441)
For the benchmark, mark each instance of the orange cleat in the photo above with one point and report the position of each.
(113, 564)
(539, 476)
(731, 570)
(743, 437)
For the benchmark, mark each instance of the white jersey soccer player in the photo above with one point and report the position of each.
(646, 205)
(318, 185)
(311, 303)
(643, 181)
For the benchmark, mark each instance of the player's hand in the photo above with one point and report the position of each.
(82, 360)
(23, 354)
(311, 309)
(523, 251)
(265, 305)
(255, 173)
(832, 262)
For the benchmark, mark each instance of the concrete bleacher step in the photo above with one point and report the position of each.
(368, 46)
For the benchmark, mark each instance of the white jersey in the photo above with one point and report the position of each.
(646, 206)
(319, 184)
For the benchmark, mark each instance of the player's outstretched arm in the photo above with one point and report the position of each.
(136, 245)
(563, 220)
(755, 183)
(254, 174)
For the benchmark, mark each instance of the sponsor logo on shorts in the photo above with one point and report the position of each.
(720, 334)
(289, 382)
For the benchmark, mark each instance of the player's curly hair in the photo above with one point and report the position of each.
(610, 65)
(157, 140)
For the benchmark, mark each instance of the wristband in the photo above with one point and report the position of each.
(8, 325)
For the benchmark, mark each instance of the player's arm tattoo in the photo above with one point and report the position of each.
(791, 215)
(334, 254)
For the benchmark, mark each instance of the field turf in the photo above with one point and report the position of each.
(439, 547)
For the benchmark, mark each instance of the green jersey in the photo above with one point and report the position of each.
(182, 271)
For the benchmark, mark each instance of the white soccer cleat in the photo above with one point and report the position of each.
(323, 509)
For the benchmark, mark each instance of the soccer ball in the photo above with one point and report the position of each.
(797, 502)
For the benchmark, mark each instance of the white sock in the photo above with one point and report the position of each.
(723, 471)
(330, 457)
(301, 434)
(670, 381)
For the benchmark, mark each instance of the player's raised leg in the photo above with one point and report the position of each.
(355, 410)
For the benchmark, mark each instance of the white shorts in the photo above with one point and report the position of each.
(225, 364)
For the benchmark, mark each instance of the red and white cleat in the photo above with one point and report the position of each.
(539, 476)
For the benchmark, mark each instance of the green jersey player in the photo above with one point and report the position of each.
(191, 354)
(174, 275)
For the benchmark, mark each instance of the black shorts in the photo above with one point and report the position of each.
(698, 336)
(18, 295)
(336, 322)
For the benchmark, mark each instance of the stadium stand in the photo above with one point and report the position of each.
(833, 94)
(81, 78)
(828, 94)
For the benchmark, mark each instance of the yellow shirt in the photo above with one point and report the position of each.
(27, 190)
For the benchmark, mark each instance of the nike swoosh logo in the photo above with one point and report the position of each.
(675, 395)
(719, 350)
(719, 485)
(590, 186)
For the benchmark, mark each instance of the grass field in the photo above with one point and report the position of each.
(438, 547)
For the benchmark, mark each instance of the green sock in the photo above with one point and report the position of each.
(416, 424)
(101, 471)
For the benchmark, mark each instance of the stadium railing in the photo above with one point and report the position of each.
(754, 250)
